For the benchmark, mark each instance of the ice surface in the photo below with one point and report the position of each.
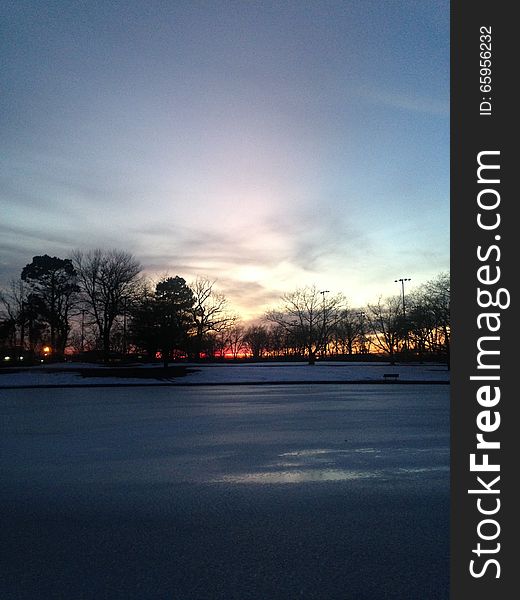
(226, 492)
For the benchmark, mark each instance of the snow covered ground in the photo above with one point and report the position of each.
(207, 374)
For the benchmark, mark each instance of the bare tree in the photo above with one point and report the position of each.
(235, 339)
(256, 338)
(386, 323)
(431, 313)
(308, 315)
(108, 281)
(218, 342)
(210, 311)
(14, 313)
(277, 337)
(348, 332)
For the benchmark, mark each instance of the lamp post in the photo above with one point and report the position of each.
(323, 292)
(402, 280)
(82, 330)
(361, 316)
(124, 328)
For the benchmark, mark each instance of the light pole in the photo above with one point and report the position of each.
(361, 315)
(82, 330)
(402, 280)
(124, 328)
(323, 292)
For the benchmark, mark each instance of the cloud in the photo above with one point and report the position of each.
(321, 236)
(255, 265)
(405, 101)
(18, 246)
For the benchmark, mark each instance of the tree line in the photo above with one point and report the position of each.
(99, 303)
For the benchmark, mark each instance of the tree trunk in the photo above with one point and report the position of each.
(106, 344)
(312, 357)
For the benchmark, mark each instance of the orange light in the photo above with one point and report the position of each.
(46, 349)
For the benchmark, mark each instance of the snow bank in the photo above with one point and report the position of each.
(322, 372)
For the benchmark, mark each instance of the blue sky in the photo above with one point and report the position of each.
(267, 145)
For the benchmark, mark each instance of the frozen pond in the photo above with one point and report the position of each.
(263, 492)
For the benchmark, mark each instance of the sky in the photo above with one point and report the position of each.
(267, 145)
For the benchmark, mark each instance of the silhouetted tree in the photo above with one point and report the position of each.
(7, 332)
(348, 332)
(143, 323)
(257, 338)
(431, 315)
(277, 340)
(14, 313)
(423, 333)
(235, 339)
(53, 285)
(109, 283)
(209, 312)
(309, 316)
(173, 303)
(215, 344)
(386, 323)
(161, 321)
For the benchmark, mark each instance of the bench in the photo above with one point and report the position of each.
(388, 376)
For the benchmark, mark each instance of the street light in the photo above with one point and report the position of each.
(361, 316)
(124, 328)
(402, 280)
(82, 330)
(323, 292)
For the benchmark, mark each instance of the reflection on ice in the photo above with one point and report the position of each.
(322, 475)
(317, 452)
(424, 469)
(324, 464)
(299, 476)
(313, 452)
